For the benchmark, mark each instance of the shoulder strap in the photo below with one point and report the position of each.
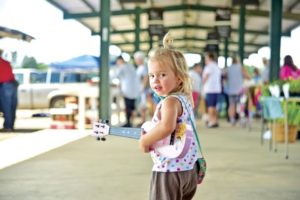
(193, 125)
(196, 135)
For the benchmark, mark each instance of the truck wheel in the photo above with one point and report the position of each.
(58, 102)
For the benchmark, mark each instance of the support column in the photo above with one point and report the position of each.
(226, 51)
(137, 29)
(150, 42)
(104, 100)
(242, 32)
(202, 59)
(275, 37)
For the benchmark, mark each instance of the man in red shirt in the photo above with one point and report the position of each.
(8, 94)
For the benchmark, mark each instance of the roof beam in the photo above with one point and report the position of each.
(265, 13)
(54, 3)
(293, 5)
(66, 12)
(287, 30)
(289, 9)
(192, 27)
(89, 5)
(196, 50)
(122, 6)
(187, 39)
(250, 12)
(293, 27)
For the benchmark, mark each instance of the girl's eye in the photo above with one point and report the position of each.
(162, 75)
(158, 76)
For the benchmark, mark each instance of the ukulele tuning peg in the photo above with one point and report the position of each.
(104, 121)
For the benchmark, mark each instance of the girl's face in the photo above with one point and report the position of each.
(162, 79)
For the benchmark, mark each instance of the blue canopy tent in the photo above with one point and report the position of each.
(84, 62)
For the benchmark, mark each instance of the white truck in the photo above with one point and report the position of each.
(36, 85)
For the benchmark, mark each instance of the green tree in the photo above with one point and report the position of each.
(29, 62)
(42, 66)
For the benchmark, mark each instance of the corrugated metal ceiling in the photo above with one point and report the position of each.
(188, 20)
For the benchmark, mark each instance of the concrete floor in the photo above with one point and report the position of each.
(239, 168)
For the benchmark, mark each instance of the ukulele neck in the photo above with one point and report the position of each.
(134, 133)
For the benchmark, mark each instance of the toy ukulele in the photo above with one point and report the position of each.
(176, 145)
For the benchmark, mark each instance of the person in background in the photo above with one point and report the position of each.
(195, 74)
(289, 69)
(266, 71)
(142, 74)
(129, 87)
(234, 76)
(212, 88)
(8, 94)
(257, 78)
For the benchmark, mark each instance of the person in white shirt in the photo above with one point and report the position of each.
(142, 74)
(235, 75)
(266, 71)
(129, 87)
(212, 88)
(195, 74)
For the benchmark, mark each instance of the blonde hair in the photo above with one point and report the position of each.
(167, 56)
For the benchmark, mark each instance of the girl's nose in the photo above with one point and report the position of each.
(154, 79)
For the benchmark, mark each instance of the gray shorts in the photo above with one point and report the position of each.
(173, 185)
(234, 99)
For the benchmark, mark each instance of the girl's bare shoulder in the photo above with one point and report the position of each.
(172, 102)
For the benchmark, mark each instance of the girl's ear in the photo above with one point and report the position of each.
(179, 81)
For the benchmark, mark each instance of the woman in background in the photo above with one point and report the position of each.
(289, 69)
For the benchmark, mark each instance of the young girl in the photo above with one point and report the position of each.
(172, 178)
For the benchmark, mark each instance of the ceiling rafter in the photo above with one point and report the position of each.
(122, 6)
(89, 5)
(287, 30)
(187, 39)
(191, 22)
(182, 7)
(292, 6)
(265, 28)
(188, 26)
(197, 50)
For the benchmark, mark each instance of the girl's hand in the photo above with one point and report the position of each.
(143, 147)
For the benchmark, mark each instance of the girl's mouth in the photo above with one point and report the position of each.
(158, 88)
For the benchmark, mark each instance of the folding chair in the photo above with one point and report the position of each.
(272, 110)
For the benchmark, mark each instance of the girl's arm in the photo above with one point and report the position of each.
(170, 109)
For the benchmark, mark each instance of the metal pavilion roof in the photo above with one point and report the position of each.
(12, 33)
(188, 20)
